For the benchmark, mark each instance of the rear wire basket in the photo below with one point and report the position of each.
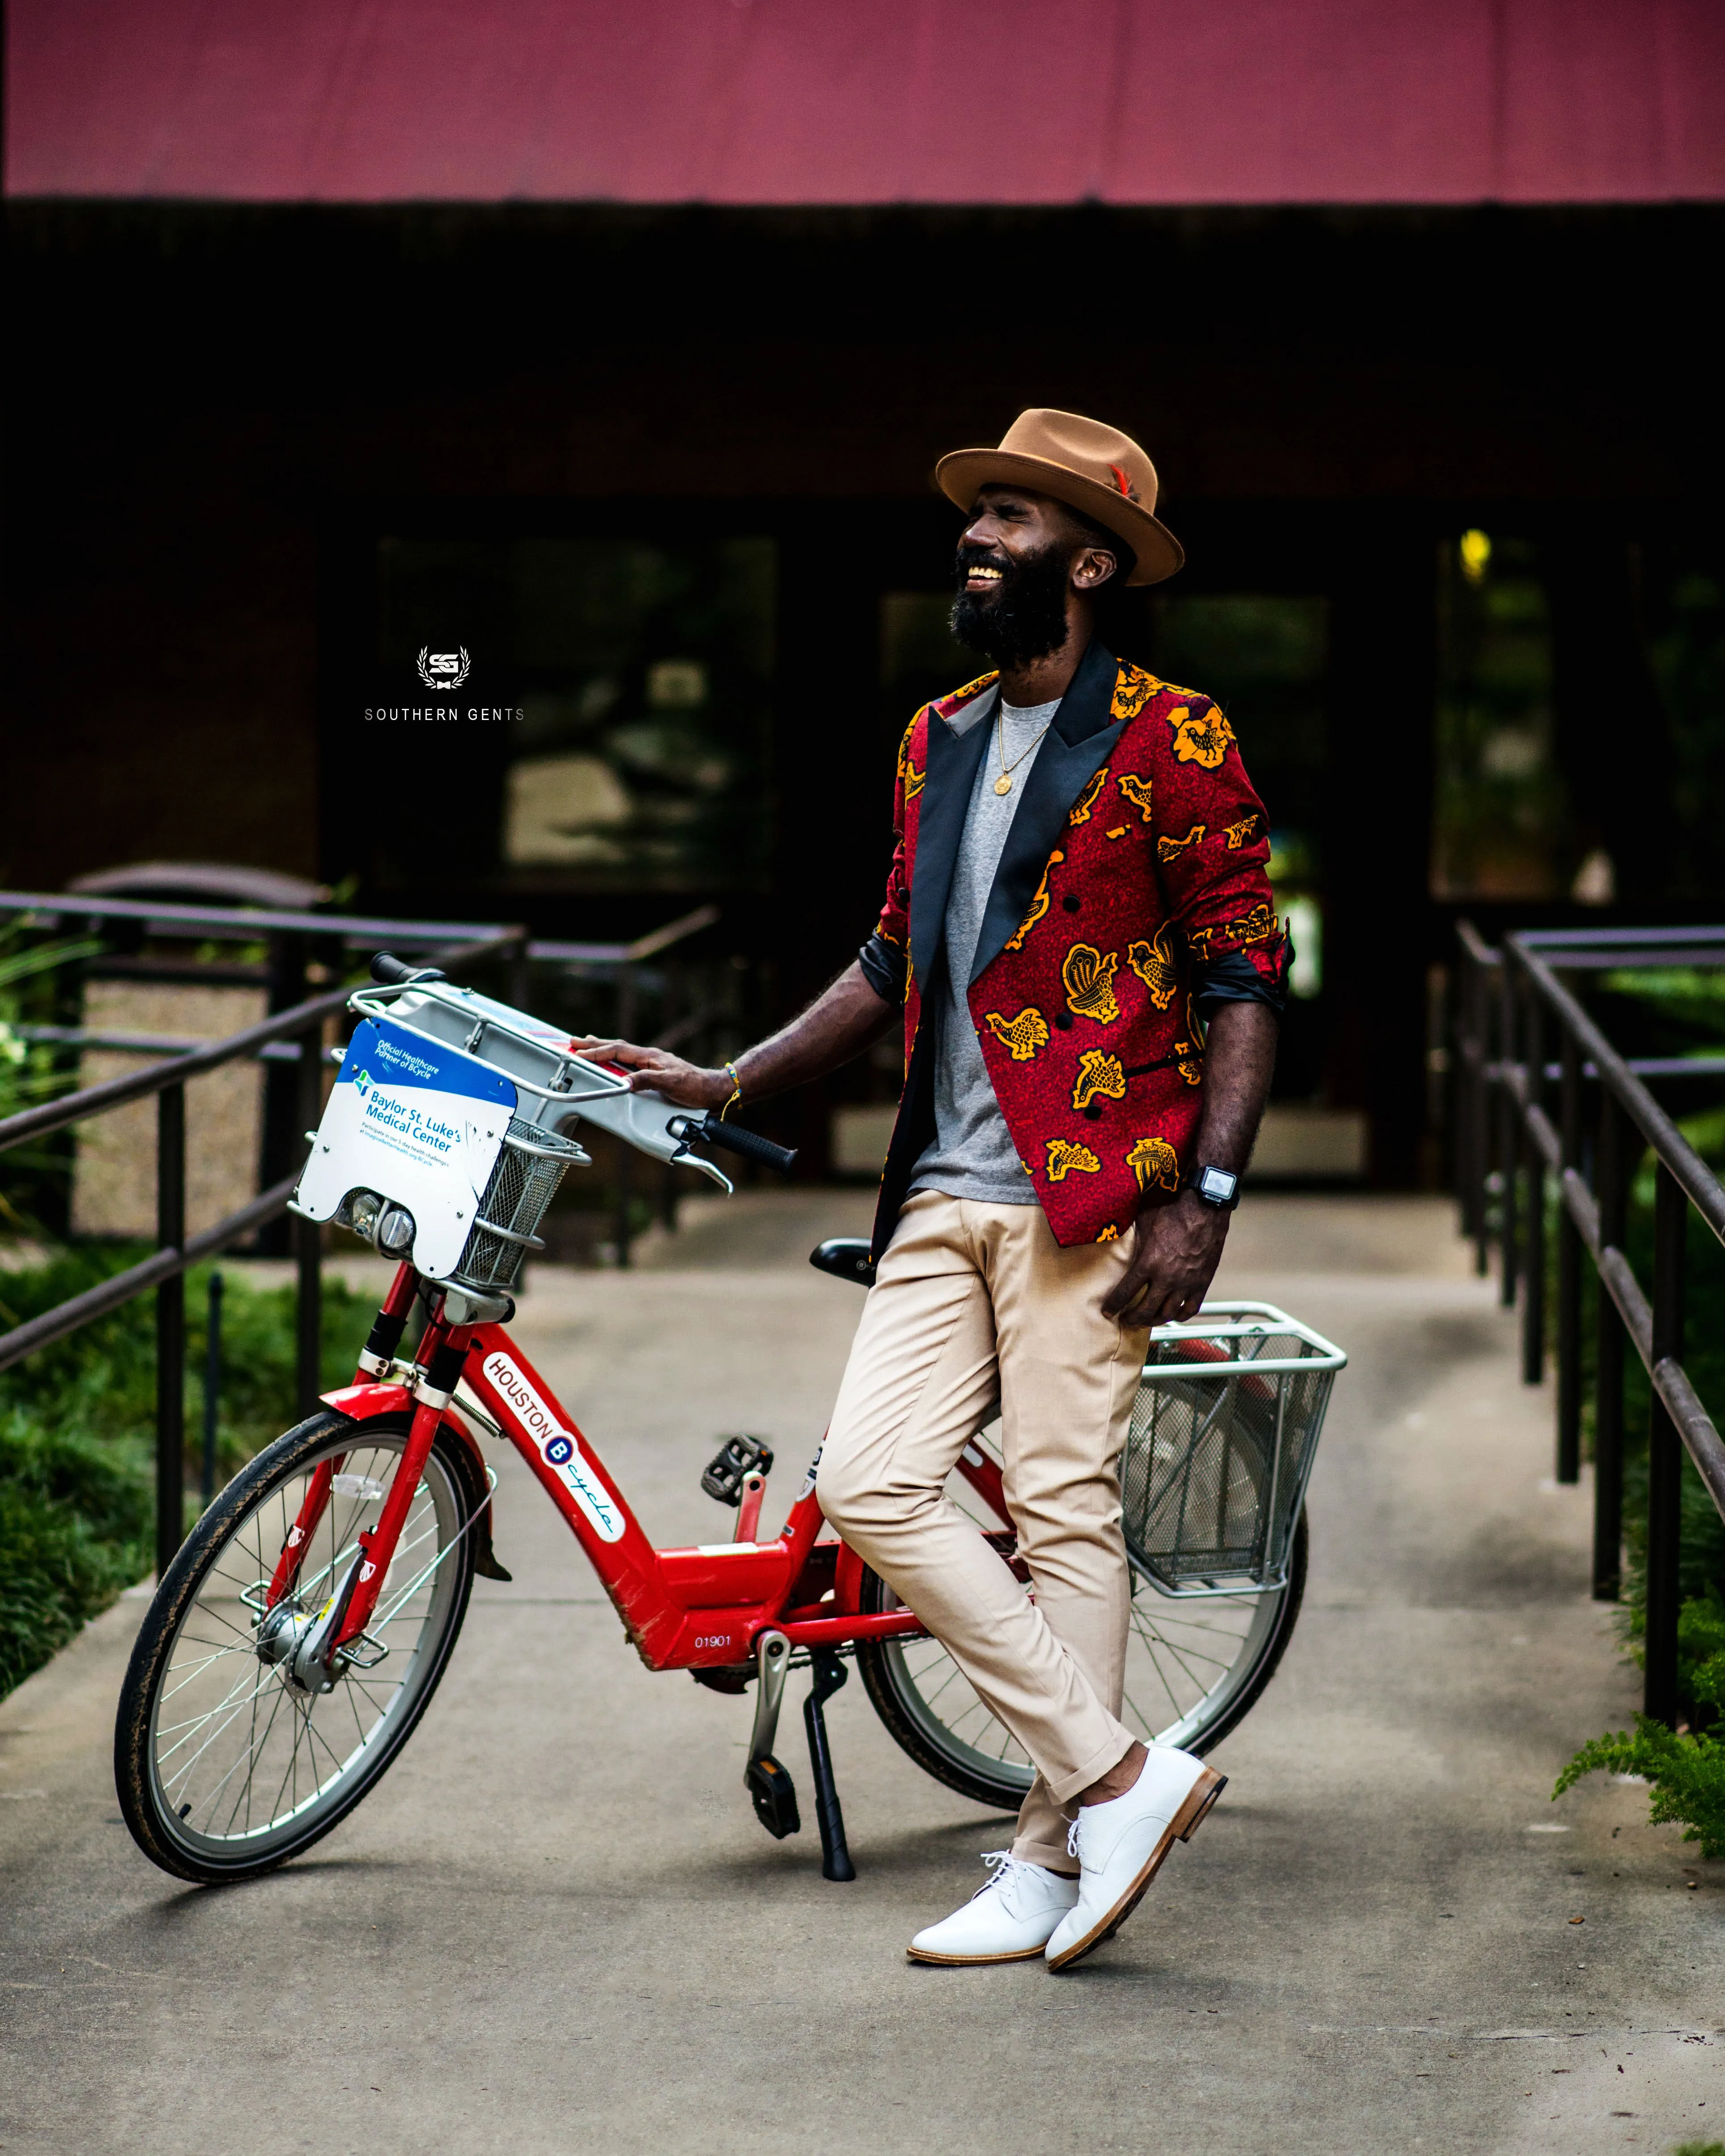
(532, 1164)
(1224, 1432)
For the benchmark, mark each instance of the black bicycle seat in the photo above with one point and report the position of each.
(846, 1257)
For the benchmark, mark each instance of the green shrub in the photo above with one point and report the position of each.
(77, 1433)
(1687, 1773)
(76, 1524)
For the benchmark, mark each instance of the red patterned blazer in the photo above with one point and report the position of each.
(1136, 862)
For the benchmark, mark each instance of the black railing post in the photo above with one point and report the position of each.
(1533, 1236)
(1509, 1138)
(211, 1388)
(1611, 1178)
(282, 1125)
(308, 1237)
(170, 1328)
(1461, 1070)
(1665, 1449)
(1568, 1466)
(1479, 1109)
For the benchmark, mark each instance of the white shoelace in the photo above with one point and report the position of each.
(1072, 1840)
(1002, 1866)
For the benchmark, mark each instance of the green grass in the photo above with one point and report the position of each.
(77, 1434)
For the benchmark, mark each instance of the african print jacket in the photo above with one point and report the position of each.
(1137, 858)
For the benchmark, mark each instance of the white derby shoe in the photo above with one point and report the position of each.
(1120, 1845)
(1008, 1920)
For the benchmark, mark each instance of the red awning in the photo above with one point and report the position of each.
(762, 101)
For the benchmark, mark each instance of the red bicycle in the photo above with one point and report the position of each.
(300, 1633)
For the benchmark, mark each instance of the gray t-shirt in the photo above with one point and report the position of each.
(972, 1154)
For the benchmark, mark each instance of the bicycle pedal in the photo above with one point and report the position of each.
(775, 1796)
(737, 1458)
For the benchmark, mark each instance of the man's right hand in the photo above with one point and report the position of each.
(656, 1071)
(836, 1026)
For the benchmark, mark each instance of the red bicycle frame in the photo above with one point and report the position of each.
(685, 1609)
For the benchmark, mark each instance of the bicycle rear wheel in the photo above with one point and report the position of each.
(1194, 1667)
(224, 1769)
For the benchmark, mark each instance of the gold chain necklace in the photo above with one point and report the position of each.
(1004, 784)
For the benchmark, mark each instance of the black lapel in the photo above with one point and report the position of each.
(950, 774)
(1078, 744)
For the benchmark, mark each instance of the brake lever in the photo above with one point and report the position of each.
(685, 1156)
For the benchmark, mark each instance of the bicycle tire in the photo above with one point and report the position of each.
(452, 1490)
(903, 1702)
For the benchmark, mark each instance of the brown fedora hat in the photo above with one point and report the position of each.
(1084, 463)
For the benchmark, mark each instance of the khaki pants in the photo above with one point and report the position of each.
(973, 1303)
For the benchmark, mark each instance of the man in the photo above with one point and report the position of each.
(1078, 931)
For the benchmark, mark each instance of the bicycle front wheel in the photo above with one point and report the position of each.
(225, 1768)
(1194, 1667)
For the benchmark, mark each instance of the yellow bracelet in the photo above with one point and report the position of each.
(736, 1092)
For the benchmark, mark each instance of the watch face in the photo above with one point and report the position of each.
(1217, 1185)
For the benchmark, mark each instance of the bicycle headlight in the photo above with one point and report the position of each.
(363, 1209)
(395, 1232)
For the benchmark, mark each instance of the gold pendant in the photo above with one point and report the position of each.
(1003, 784)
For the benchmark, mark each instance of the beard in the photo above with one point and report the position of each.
(1024, 616)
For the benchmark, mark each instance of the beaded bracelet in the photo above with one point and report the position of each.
(736, 1092)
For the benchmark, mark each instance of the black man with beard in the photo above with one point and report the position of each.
(1078, 941)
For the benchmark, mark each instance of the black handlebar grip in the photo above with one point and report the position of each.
(393, 974)
(752, 1147)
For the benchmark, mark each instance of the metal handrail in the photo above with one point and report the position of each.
(1507, 1000)
(293, 1036)
(300, 1028)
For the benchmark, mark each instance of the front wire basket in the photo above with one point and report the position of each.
(1224, 1432)
(532, 1164)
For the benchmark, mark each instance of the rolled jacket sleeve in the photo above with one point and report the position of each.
(885, 959)
(1233, 978)
(1213, 846)
(883, 967)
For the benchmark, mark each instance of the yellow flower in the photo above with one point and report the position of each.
(1063, 1157)
(1098, 1072)
(1024, 1035)
(1155, 1163)
(1089, 979)
(1202, 740)
(1132, 691)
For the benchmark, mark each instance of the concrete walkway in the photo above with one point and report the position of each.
(556, 1926)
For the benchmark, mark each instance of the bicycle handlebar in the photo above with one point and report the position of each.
(733, 1138)
(393, 974)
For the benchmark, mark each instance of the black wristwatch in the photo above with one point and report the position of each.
(1215, 1186)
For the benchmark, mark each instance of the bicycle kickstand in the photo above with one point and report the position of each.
(830, 1675)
